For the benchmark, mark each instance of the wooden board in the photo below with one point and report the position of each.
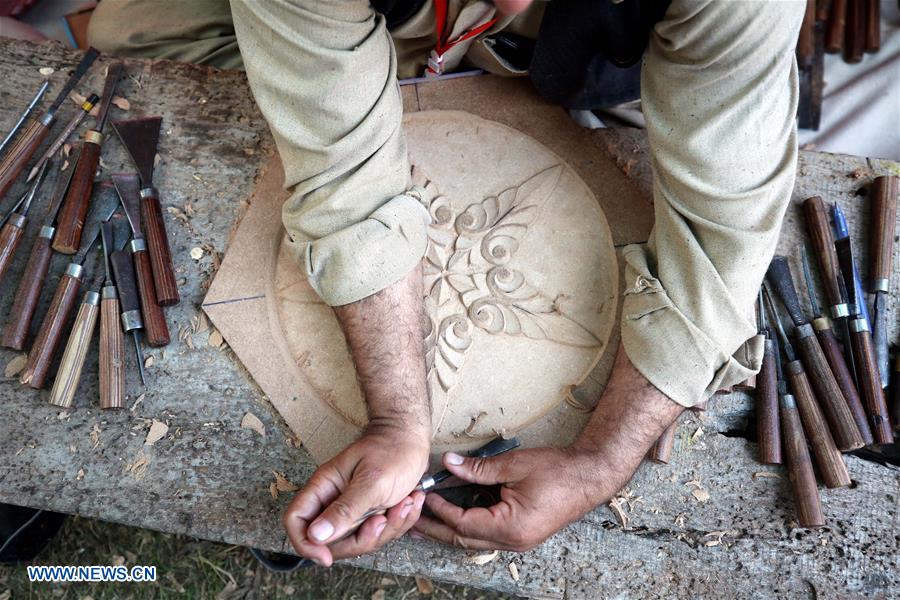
(209, 478)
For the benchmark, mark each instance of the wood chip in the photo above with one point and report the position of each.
(378, 595)
(138, 468)
(425, 586)
(64, 166)
(67, 149)
(95, 435)
(215, 339)
(118, 560)
(196, 253)
(148, 362)
(158, 431)
(121, 102)
(471, 428)
(482, 559)
(176, 212)
(251, 421)
(80, 475)
(282, 483)
(273, 489)
(616, 505)
(513, 571)
(770, 474)
(46, 71)
(700, 494)
(697, 434)
(15, 366)
(138, 401)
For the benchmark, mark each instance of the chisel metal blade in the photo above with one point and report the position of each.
(140, 137)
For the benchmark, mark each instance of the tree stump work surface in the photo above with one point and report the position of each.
(713, 522)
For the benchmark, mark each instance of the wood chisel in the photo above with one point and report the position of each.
(14, 228)
(14, 161)
(34, 277)
(86, 107)
(70, 221)
(768, 430)
(112, 346)
(831, 463)
(24, 116)
(155, 328)
(832, 401)
(126, 284)
(835, 358)
(141, 137)
(884, 221)
(50, 333)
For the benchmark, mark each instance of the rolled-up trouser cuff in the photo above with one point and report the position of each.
(673, 353)
(366, 257)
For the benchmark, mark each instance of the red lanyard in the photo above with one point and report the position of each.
(436, 62)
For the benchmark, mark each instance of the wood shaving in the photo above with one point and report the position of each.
(769, 474)
(215, 339)
(95, 435)
(616, 505)
(482, 559)
(15, 366)
(72, 448)
(148, 362)
(138, 468)
(700, 494)
(186, 337)
(118, 560)
(63, 415)
(66, 149)
(282, 484)
(200, 323)
(425, 586)
(196, 253)
(513, 571)
(471, 428)
(378, 595)
(80, 475)
(697, 435)
(121, 102)
(189, 209)
(138, 401)
(251, 421)
(679, 520)
(64, 166)
(46, 71)
(273, 489)
(158, 431)
(176, 212)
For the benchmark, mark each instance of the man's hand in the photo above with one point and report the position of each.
(544, 489)
(374, 474)
(547, 488)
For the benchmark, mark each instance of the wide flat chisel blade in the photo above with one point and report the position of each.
(140, 137)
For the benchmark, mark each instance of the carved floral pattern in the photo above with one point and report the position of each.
(467, 274)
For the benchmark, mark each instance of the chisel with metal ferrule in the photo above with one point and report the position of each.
(768, 432)
(18, 155)
(495, 447)
(16, 205)
(822, 237)
(833, 404)
(70, 221)
(112, 346)
(126, 284)
(25, 114)
(35, 275)
(884, 220)
(868, 380)
(835, 358)
(796, 454)
(47, 341)
(68, 376)
(14, 228)
(157, 332)
(856, 302)
(140, 137)
(828, 457)
(86, 107)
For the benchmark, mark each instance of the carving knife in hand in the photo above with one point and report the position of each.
(495, 447)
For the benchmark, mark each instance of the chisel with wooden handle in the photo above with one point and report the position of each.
(86, 107)
(828, 457)
(70, 221)
(140, 137)
(18, 155)
(832, 400)
(40, 357)
(24, 116)
(799, 466)
(873, 26)
(28, 294)
(155, 328)
(12, 231)
(68, 376)
(661, 450)
(884, 224)
(868, 378)
(855, 31)
(112, 347)
(835, 358)
(126, 284)
(834, 33)
(768, 430)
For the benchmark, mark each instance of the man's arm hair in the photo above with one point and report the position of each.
(384, 333)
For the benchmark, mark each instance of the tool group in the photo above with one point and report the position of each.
(823, 387)
(113, 230)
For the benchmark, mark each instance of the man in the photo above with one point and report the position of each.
(719, 94)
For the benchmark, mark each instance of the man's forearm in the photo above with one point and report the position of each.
(628, 419)
(384, 333)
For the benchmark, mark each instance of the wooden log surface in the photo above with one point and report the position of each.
(208, 477)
